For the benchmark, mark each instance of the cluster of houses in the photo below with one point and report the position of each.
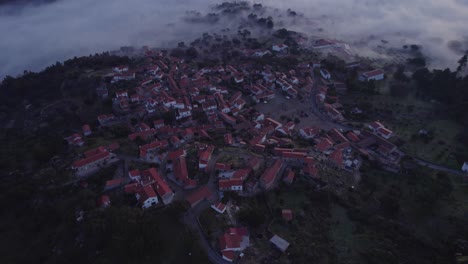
(76, 139)
(232, 241)
(202, 106)
(180, 105)
(149, 187)
(94, 159)
(380, 130)
(197, 105)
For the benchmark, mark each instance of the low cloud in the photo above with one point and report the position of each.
(36, 36)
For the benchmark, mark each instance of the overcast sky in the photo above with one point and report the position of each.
(36, 36)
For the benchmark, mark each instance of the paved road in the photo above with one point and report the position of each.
(191, 220)
(439, 167)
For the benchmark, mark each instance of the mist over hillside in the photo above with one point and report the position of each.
(35, 36)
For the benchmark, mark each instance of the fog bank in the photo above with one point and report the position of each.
(34, 36)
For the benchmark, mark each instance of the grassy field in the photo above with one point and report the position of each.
(307, 233)
(399, 217)
(349, 238)
(406, 117)
(442, 149)
(390, 218)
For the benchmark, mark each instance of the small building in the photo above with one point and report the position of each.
(205, 157)
(280, 243)
(102, 92)
(234, 239)
(287, 214)
(146, 196)
(121, 69)
(308, 132)
(87, 130)
(230, 184)
(114, 183)
(104, 201)
(325, 74)
(93, 158)
(375, 75)
(374, 126)
(219, 207)
(269, 177)
(465, 166)
(75, 140)
(280, 48)
(197, 196)
(384, 132)
(134, 175)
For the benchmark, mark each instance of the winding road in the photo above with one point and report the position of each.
(439, 167)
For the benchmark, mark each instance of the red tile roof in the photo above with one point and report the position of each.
(324, 144)
(232, 238)
(146, 192)
(86, 128)
(198, 195)
(287, 214)
(311, 170)
(134, 173)
(241, 174)
(206, 155)
(228, 255)
(384, 131)
(376, 125)
(95, 151)
(176, 154)
(352, 137)
(222, 166)
(131, 188)
(337, 136)
(114, 182)
(229, 183)
(181, 173)
(337, 157)
(270, 174)
(219, 206)
(91, 159)
(160, 185)
(104, 201)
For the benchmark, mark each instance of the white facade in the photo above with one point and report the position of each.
(220, 208)
(279, 48)
(465, 166)
(307, 134)
(325, 74)
(183, 113)
(226, 174)
(238, 79)
(261, 53)
(121, 69)
(169, 103)
(375, 75)
(179, 105)
(150, 202)
(236, 188)
(167, 198)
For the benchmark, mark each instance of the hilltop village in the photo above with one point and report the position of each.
(250, 143)
(204, 133)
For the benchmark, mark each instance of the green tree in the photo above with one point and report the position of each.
(462, 62)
